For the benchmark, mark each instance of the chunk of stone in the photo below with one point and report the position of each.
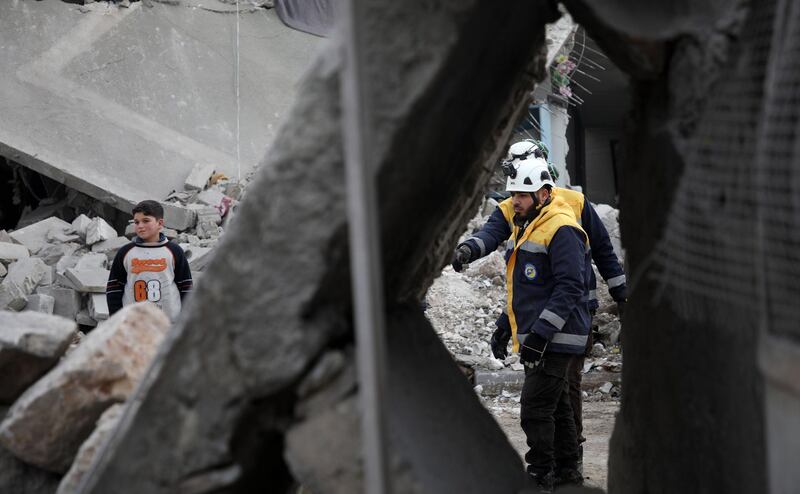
(89, 449)
(84, 319)
(211, 197)
(110, 247)
(39, 302)
(101, 371)
(81, 224)
(5, 237)
(65, 262)
(30, 344)
(199, 176)
(198, 257)
(178, 217)
(67, 300)
(12, 297)
(98, 230)
(62, 236)
(11, 252)
(91, 261)
(606, 388)
(88, 280)
(98, 306)
(52, 253)
(34, 236)
(3, 270)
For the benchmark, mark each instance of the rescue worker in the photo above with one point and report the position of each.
(547, 273)
(607, 264)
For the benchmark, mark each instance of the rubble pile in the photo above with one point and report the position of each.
(59, 388)
(54, 266)
(463, 308)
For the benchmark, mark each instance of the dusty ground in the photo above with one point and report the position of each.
(598, 422)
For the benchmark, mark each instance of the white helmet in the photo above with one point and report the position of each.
(523, 149)
(528, 175)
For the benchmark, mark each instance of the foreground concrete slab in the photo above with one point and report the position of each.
(101, 371)
(223, 387)
(131, 115)
(30, 344)
(11, 252)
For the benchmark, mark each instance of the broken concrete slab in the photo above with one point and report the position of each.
(83, 460)
(198, 257)
(178, 216)
(165, 128)
(11, 252)
(81, 224)
(30, 344)
(62, 236)
(67, 300)
(41, 303)
(110, 247)
(98, 307)
(98, 230)
(5, 237)
(52, 253)
(199, 176)
(3, 270)
(84, 319)
(69, 261)
(34, 237)
(88, 280)
(91, 261)
(211, 197)
(101, 371)
(12, 297)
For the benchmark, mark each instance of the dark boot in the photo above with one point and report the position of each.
(568, 476)
(545, 482)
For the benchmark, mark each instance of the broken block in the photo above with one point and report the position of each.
(178, 217)
(81, 224)
(199, 176)
(12, 297)
(49, 276)
(98, 307)
(30, 344)
(84, 319)
(198, 257)
(92, 261)
(60, 236)
(211, 197)
(39, 302)
(52, 253)
(11, 252)
(34, 236)
(3, 270)
(65, 262)
(88, 280)
(98, 230)
(110, 247)
(67, 301)
(101, 371)
(26, 273)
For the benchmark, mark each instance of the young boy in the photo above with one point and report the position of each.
(149, 268)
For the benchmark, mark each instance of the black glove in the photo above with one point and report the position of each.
(499, 341)
(462, 255)
(532, 350)
(621, 307)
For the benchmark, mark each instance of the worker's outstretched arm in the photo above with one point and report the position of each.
(484, 241)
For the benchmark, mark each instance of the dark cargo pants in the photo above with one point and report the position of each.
(546, 416)
(575, 377)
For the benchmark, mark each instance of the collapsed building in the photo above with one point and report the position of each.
(259, 396)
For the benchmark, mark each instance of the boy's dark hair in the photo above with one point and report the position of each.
(149, 208)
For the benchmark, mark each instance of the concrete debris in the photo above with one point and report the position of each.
(606, 388)
(52, 253)
(91, 261)
(110, 247)
(67, 300)
(34, 237)
(11, 252)
(98, 230)
(11, 297)
(98, 307)
(101, 371)
(30, 344)
(85, 320)
(80, 225)
(40, 303)
(88, 280)
(610, 218)
(199, 177)
(83, 460)
(178, 216)
(3, 270)
(22, 279)
(198, 257)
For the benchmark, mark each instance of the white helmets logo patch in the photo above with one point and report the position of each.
(530, 271)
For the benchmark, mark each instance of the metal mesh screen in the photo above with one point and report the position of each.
(730, 249)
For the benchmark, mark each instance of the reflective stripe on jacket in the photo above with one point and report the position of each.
(547, 274)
